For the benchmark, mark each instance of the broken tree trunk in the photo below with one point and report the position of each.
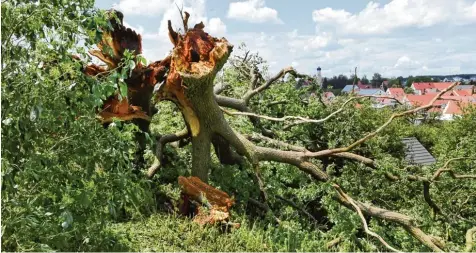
(214, 205)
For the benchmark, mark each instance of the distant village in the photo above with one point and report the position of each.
(450, 105)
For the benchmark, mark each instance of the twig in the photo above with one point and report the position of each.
(364, 222)
(295, 206)
(333, 242)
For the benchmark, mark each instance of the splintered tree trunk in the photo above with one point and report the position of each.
(195, 60)
(185, 77)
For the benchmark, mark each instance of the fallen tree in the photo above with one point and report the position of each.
(186, 77)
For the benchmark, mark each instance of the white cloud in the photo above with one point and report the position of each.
(143, 7)
(139, 29)
(216, 27)
(196, 8)
(156, 45)
(405, 62)
(253, 11)
(376, 19)
(307, 42)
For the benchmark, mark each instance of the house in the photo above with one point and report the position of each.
(364, 86)
(419, 88)
(348, 88)
(469, 87)
(415, 153)
(423, 88)
(371, 92)
(395, 92)
(441, 86)
(328, 96)
(455, 109)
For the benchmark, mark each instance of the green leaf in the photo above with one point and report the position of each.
(123, 89)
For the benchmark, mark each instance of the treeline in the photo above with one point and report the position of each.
(338, 82)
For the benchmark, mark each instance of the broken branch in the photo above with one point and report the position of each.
(364, 222)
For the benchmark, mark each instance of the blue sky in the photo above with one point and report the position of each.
(393, 37)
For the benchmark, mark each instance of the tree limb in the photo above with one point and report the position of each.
(295, 206)
(364, 222)
(384, 214)
(164, 139)
(451, 171)
(251, 93)
(287, 146)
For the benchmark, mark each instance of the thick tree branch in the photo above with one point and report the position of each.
(364, 222)
(219, 88)
(287, 146)
(451, 171)
(405, 221)
(240, 105)
(164, 139)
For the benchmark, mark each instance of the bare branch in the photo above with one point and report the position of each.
(451, 171)
(219, 88)
(299, 119)
(278, 102)
(405, 221)
(268, 83)
(364, 222)
(453, 174)
(164, 139)
(295, 206)
(287, 146)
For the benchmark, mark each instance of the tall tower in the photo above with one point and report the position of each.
(319, 77)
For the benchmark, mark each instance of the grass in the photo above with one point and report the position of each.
(165, 232)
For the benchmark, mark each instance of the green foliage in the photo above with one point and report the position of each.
(64, 176)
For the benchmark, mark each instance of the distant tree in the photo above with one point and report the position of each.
(324, 83)
(409, 90)
(365, 80)
(394, 83)
(410, 81)
(376, 80)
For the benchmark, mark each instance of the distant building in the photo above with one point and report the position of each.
(348, 88)
(319, 77)
(371, 92)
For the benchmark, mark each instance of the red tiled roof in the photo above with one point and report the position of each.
(396, 91)
(364, 86)
(455, 107)
(328, 94)
(442, 86)
(422, 86)
(433, 85)
(463, 92)
(419, 100)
